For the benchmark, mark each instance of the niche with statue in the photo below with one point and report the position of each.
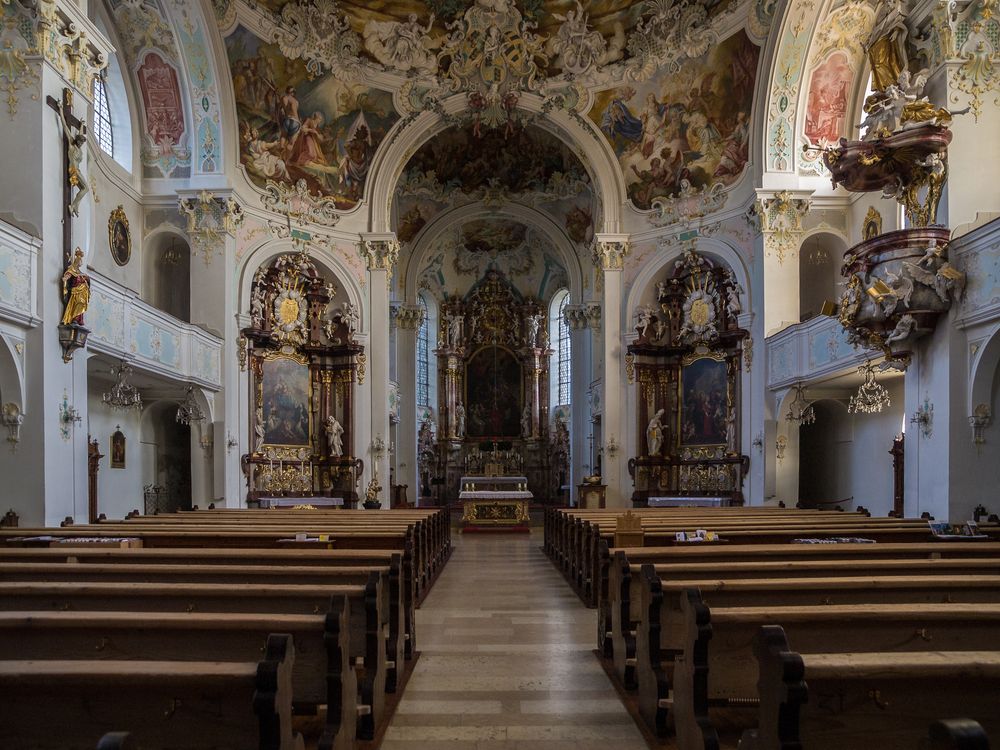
(686, 363)
(303, 363)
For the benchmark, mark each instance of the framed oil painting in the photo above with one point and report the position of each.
(118, 448)
(285, 390)
(119, 236)
(704, 402)
(493, 394)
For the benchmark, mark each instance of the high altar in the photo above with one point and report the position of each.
(493, 401)
(497, 498)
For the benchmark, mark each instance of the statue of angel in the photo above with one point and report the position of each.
(902, 330)
(645, 317)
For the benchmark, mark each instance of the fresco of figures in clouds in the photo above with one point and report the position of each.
(690, 126)
(292, 127)
(465, 253)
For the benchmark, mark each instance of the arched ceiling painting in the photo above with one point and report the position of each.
(526, 165)
(464, 253)
(683, 129)
(294, 126)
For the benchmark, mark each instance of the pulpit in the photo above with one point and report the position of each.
(495, 503)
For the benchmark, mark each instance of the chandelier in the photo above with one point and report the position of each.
(123, 395)
(800, 410)
(817, 255)
(872, 397)
(188, 410)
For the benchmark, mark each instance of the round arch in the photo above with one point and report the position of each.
(531, 216)
(11, 375)
(983, 372)
(594, 152)
(715, 248)
(326, 260)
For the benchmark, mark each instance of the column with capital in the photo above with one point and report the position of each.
(779, 218)
(380, 253)
(609, 251)
(580, 359)
(408, 319)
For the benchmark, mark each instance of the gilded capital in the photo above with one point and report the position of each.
(408, 317)
(780, 221)
(380, 252)
(609, 251)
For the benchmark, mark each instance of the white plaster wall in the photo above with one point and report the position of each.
(118, 490)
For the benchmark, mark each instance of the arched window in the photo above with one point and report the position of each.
(104, 133)
(561, 365)
(423, 357)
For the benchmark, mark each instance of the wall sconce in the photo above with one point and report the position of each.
(979, 421)
(378, 448)
(758, 441)
(924, 418)
(68, 416)
(231, 442)
(207, 445)
(612, 447)
(12, 420)
(779, 447)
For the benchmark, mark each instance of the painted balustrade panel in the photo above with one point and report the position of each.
(978, 255)
(123, 325)
(805, 351)
(18, 254)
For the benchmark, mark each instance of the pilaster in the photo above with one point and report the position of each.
(408, 319)
(609, 251)
(779, 215)
(380, 253)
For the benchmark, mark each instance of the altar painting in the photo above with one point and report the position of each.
(704, 402)
(285, 386)
(493, 394)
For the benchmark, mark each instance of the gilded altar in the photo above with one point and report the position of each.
(492, 501)
(302, 363)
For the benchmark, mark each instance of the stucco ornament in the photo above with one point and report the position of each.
(405, 46)
(492, 50)
(699, 314)
(318, 32)
(577, 49)
(290, 308)
(299, 204)
(670, 32)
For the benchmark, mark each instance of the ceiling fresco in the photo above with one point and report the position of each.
(294, 126)
(683, 130)
(464, 253)
(561, 26)
(529, 166)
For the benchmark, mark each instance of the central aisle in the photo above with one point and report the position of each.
(507, 659)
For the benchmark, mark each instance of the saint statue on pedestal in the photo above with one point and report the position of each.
(76, 287)
(654, 434)
(334, 437)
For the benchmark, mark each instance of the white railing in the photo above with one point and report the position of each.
(810, 350)
(122, 325)
(978, 255)
(18, 276)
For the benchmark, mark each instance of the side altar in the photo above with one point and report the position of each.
(495, 502)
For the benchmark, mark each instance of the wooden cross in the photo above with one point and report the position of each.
(65, 109)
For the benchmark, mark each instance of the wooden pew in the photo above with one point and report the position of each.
(664, 621)
(957, 734)
(714, 683)
(367, 642)
(322, 674)
(392, 605)
(621, 584)
(68, 705)
(853, 700)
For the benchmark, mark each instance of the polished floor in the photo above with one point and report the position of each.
(507, 660)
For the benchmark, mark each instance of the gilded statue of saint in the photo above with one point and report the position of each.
(76, 288)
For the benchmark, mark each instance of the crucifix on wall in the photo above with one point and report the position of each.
(74, 140)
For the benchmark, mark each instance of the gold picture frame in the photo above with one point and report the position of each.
(119, 236)
(296, 432)
(700, 394)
